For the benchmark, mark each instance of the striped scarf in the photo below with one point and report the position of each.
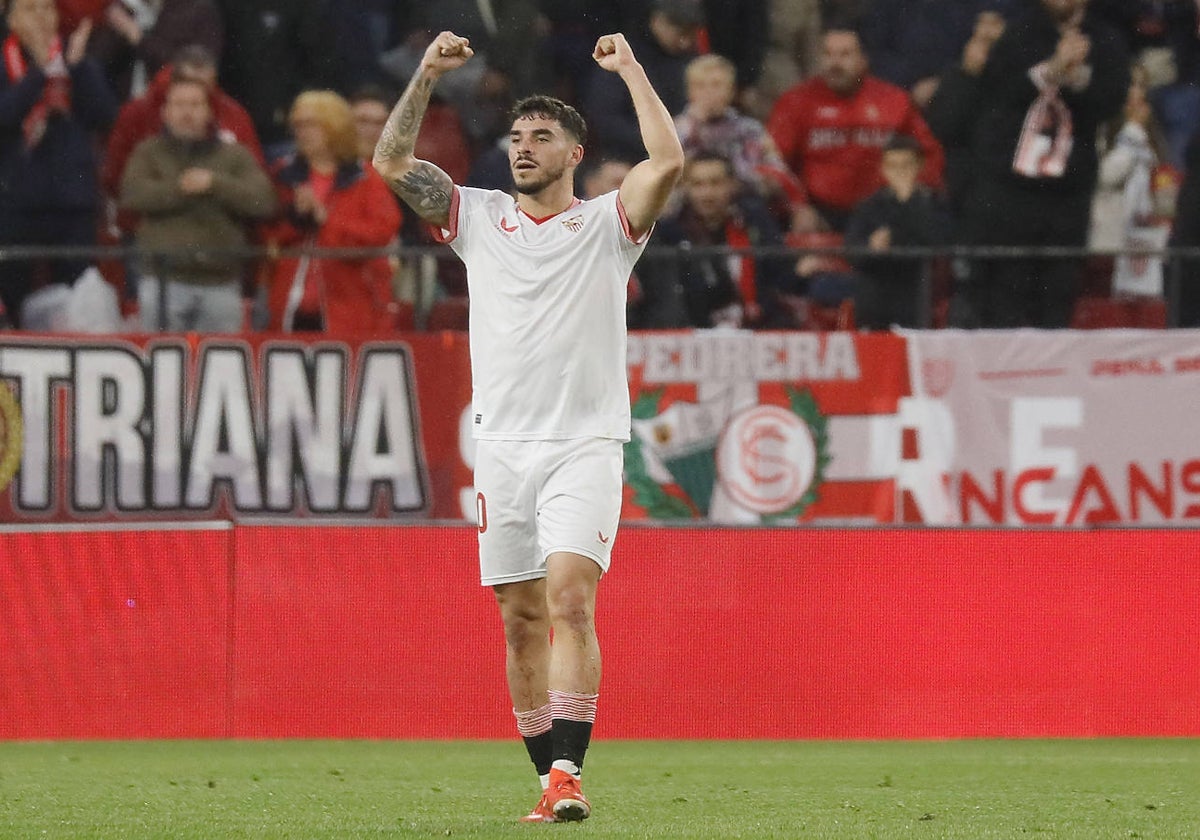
(56, 95)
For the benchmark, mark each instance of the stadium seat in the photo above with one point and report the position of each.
(403, 315)
(820, 239)
(825, 318)
(448, 313)
(1096, 313)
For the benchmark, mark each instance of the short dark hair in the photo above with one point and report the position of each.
(550, 108)
(706, 155)
(194, 55)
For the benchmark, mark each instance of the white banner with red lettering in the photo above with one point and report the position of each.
(1052, 428)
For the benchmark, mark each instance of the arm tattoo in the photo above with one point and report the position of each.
(426, 189)
(400, 133)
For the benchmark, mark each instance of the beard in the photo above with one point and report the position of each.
(541, 178)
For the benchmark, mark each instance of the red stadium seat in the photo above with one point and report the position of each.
(449, 313)
(1095, 313)
(403, 315)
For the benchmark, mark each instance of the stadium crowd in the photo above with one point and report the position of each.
(181, 127)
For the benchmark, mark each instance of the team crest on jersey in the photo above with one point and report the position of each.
(574, 224)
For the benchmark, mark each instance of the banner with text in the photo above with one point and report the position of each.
(1054, 428)
(167, 427)
(769, 427)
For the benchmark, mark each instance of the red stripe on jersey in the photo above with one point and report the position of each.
(625, 225)
(437, 232)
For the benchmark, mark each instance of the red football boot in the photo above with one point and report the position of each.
(566, 800)
(541, 812)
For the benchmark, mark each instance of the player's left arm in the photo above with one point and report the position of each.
(646, 188)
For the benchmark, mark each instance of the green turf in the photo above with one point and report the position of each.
(347, 789)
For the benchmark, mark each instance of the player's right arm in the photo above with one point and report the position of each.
(424, 187)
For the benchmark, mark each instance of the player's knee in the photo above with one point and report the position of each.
(524, 619)
(572, 607)
(525, 633)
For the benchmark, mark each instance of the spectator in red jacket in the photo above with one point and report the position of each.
(141, 118)
(832, 129)
(330, 200)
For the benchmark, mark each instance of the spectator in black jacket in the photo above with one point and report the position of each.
(951, 112)
(1056, 73)
(52, 101)
(716, 289)
(274, 49)
(912, 42)
(905, 213)
(674, 28)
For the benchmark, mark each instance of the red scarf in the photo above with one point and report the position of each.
(56, 95)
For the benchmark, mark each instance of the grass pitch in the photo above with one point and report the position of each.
(349, 789)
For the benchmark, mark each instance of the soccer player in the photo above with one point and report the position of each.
(547, 276)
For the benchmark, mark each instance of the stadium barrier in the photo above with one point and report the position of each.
(425, 275)
(933, 427)
(216, 630)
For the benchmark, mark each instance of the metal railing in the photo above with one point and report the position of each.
(421, 266)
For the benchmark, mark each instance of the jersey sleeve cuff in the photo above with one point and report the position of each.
(446, 235)
(636, 240)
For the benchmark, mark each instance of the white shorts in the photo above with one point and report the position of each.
(536, 497)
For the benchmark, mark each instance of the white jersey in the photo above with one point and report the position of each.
(547, 315)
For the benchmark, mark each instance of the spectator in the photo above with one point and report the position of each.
(710, 122)
(330, 200)
(276, 48)
(1175, 97)
(194, 190)
(710, 290)
(910, 43)
(793, 43)
(361, 32)
(136, 38)
(602, 176)
(480, 91)
(1127, 209)
(572, 28)
(831, 131)
(951, 110)
(142, 118)
(1052, 78)
(674, 27)
(53, 100)
(370, 106)
(904, 213)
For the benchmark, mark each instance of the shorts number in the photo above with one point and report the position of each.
(481, 511)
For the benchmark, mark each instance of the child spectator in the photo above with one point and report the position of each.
(904, 213)
(710, 122)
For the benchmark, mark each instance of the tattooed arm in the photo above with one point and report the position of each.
(424, 187)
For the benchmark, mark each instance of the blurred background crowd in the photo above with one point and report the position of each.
(832, 145)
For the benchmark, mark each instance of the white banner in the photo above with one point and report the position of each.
(1054, 428)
